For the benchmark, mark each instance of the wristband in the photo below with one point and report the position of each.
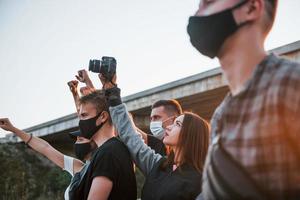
(29, 140)
(113, 96)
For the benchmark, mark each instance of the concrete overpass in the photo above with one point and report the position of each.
(200, 93)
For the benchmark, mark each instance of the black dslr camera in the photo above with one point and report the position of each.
(107, 67)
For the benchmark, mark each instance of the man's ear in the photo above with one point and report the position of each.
(102, 118)
(251, 11)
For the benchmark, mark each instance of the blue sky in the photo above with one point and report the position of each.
(44, 43)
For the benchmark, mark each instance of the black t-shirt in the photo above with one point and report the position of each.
(165, 184)
(157, 145)
(112, 160)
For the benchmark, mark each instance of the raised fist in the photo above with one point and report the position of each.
(5, 124)
(73, 86)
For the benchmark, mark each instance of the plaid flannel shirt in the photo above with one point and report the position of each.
(255, 124)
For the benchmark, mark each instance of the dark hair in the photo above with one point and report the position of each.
(171, 106)
(193, 142)
(98, 99)
(270, 7)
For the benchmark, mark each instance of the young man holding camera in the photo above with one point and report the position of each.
(257, 123)
(161, 110)
(110, 174)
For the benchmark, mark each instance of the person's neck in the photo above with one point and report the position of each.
(240, 57)
(177, 157)
(103, 134)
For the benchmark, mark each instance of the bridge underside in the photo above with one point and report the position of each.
(200, 93)
(203, 104)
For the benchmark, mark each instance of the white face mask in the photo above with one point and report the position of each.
(157, 129)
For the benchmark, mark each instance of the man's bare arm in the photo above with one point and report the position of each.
(100, 188)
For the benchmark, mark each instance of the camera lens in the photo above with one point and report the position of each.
(95, 66)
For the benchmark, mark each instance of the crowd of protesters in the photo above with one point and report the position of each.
(249, 150)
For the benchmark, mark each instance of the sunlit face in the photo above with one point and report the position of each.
(87, 111)
(209, 7)
(158, 114)
(172, 132)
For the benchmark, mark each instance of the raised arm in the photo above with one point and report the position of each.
(40, 145)
(144, 156)
(143, 134)
(139, 131)
(84, 78)
(73, 88)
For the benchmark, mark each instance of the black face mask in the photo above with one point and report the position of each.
(208, 33)
(82, 150)
(88, 127)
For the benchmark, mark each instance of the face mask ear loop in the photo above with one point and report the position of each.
(239, 4)
(102, 123)
(98, 115)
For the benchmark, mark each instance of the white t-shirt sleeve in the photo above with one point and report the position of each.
(67, 193)
(68, 164)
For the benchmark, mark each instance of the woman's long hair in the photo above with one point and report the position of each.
(192, 144)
